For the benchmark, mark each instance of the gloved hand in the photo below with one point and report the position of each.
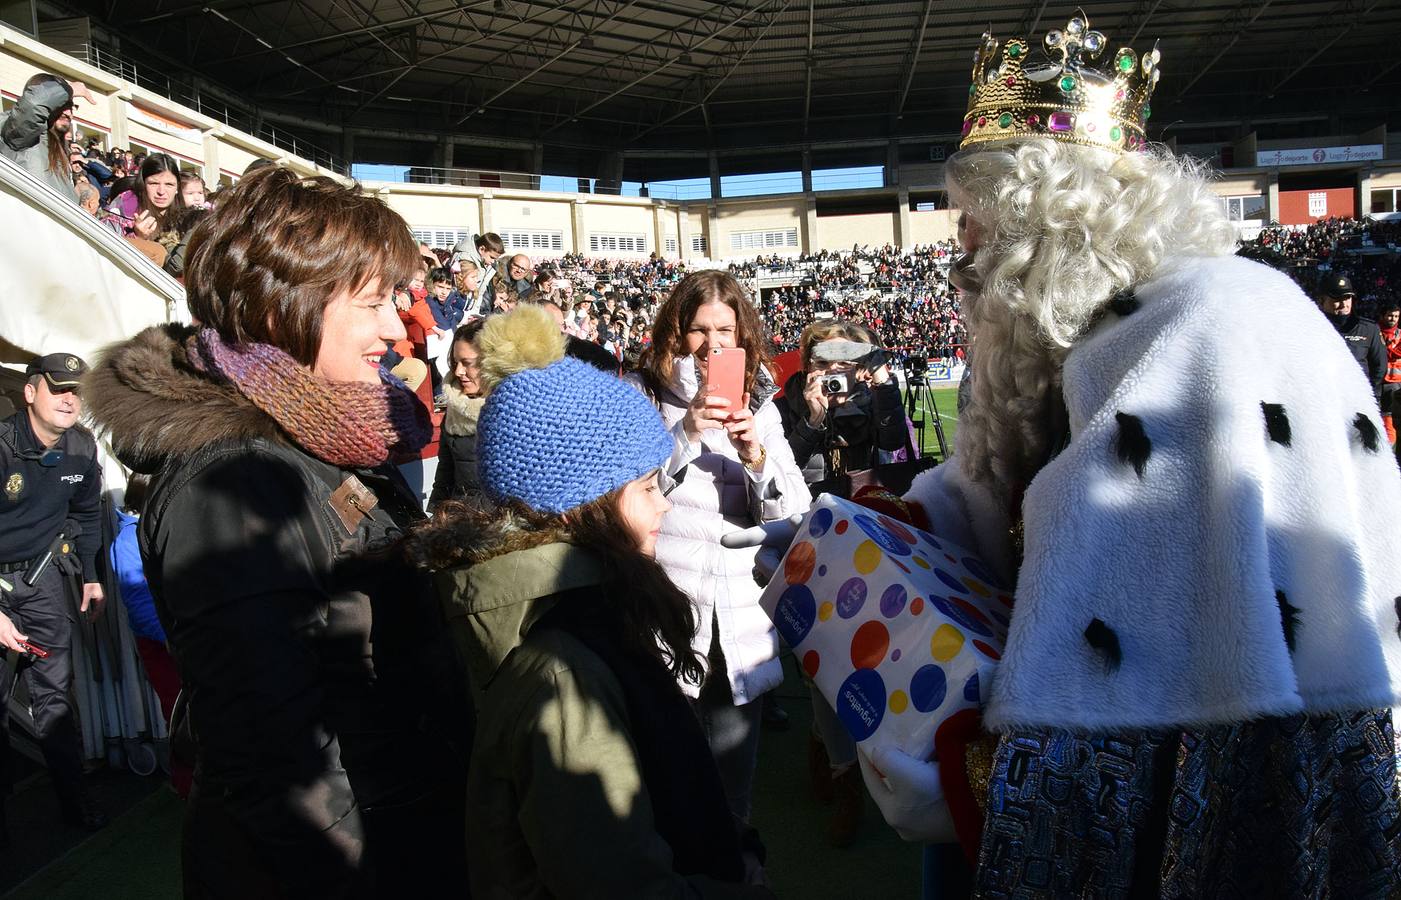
(772, 540)
(910, 795)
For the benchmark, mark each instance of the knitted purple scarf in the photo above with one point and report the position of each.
(344, 423)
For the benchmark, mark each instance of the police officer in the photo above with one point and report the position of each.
(49, 532)
(1363, 337)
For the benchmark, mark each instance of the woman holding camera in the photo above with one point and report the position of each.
(730, 469)
(842, 412)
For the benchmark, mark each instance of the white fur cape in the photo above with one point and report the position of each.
(1236, 524)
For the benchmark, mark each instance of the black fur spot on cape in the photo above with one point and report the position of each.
(1277, 423)
(1124, 303)
(1132, 444)
(1288, 617)
(1397, 603)
(1101, 637)
(1367, 430)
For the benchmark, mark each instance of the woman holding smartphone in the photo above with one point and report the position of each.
(730, 468)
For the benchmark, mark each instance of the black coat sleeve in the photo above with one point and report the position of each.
(85, 509)
(444, 480)
(803, 439)
(1376, 361)
(890, 416)
(236, 567)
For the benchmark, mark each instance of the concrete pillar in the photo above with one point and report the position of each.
(537, 166)
(348, 149)
(580, 240)
(585, 186)
(1364, 192)
(683, 233)
(485, 206)
(807, 170)
(445, 153)
(892, 164)
(904, 239)
(713, 238)
(659, 214)
(714, 177)
(1272, 198)
(808, 235)
(121, 135)
(210, 172)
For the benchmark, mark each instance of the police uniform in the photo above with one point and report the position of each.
(50, 503)
(1363, 336)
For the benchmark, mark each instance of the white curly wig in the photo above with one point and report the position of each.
(1064, 228)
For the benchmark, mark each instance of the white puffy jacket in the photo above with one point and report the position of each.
(718, 495)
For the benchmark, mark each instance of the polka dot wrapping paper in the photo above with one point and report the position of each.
(898, 629)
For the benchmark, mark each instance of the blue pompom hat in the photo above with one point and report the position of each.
(557, 437)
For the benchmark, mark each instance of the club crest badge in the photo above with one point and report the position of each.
(14, 485)
(71, 363)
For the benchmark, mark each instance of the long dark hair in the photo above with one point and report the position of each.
(655, 618)
(59, 162)
(676, 313)
(158, 164)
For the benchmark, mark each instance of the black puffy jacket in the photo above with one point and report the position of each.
(320, 680)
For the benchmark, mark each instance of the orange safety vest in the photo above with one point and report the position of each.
(1393, 355)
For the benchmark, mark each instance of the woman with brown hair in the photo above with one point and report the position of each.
(317, 672)
(729, 471)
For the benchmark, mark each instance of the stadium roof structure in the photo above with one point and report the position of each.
(666, 82)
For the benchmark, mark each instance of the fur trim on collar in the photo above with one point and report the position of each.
(460, 420)
(152, 405)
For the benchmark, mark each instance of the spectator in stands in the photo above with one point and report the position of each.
(457, 441)
(326, 758)
(517, 285)
(483, 250)
(1364, 339)
(34, 133)
(447, 307)
(191, 190)
(145, 214)
(91, 172)
(590, 776)
(731, 468)
(88, 197)
(468, 281)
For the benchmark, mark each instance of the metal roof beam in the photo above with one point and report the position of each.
(773, 17)
(1341, 28)
(648, 73)
(912, 60)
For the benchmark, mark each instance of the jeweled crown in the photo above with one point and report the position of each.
(1061, 93)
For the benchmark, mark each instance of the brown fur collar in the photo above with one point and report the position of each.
(152, 405)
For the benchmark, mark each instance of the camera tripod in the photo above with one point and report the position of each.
(919, 403)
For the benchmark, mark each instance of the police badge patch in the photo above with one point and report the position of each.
(71, 363)
(13, 486)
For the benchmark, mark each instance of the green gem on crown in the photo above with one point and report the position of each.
(1014, 50)
(972, 89)
(1067, 83)
(1116, 134)
(1147, 111)
(1005, 120)
(1125, 63)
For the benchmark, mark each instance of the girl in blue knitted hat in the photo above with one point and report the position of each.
(589, 773)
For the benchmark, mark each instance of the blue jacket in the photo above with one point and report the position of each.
(447, 313)
(136, 596)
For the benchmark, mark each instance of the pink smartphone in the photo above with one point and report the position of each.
(725, 375)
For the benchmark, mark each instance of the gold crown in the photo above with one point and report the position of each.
(1060, 94)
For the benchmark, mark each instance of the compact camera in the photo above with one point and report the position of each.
(836, 384)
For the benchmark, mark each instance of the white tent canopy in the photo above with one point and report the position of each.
(67, 283)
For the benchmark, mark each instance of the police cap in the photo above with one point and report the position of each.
(60, 370)
(1337, 286)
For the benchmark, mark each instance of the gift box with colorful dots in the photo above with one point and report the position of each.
(899, 629)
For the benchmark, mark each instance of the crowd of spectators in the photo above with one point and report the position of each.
(1363, 250)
